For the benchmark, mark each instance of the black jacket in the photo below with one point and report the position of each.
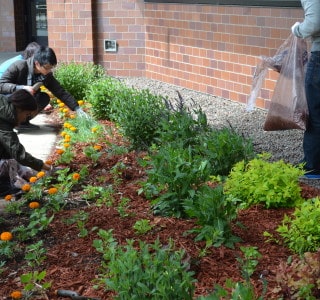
(21, 73)
(10, 146)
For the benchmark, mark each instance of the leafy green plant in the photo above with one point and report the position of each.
(35, 254)
(214, 213)
(301, 231)
(150, 272)
(92, 153)
(76, 78)
(273, 184)
(249, 261)
(122, 207)
(80, 218)
(138, 114)
(102, 93)
(142, 226)
(34, 285)
(8, 249)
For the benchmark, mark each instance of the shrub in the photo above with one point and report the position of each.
(77, 77)
(138, 114)
(102, 93)
(301, 232)
(273, 184)
(152, 271)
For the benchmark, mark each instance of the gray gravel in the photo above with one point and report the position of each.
(285, 145)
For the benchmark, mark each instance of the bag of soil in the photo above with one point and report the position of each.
(288, 107)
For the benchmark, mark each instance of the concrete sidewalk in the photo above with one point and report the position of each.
(40, 143)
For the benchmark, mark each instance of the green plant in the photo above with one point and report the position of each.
(76, 78)
(301, 231)
(81, 217)
(273, 184)
(92, 153)
(138, 114)
(150, 272)
(249, 261)
(102, 93)
(142, 226)
(66, 157)
(214, 213)
(34, 285)
(35, 254)
(8, 249)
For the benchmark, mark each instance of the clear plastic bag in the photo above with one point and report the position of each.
(288, 107)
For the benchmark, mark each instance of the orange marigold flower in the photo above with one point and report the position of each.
(60, 151)
(8, 197)
(16, 295)
(33, 179)
(76, 176)
(97, 147)
(34, 205)
(80, 102)
(26, 187)
(6, 236)
(52, 191)
(48, 162)
(41, 173)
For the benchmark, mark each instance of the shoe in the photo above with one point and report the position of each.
(27, 126)
(312, 174)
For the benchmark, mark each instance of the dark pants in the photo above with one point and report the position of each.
(311, 139)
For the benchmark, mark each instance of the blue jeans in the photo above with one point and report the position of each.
(311, 139)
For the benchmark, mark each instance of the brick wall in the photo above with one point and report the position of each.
(7, 37)
(70, 29)
(214, 49)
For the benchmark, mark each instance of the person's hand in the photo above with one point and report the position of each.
(81, 113)
(296, 24)
(29, 89)
(46, 167)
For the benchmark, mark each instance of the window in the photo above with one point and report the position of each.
(272, 3)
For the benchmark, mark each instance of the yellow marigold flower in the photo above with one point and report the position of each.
(67, 139)
(72, 116)
(58, 101)
(52, 191)
(34, 205)
(61, 104)
(94, 129)
(16, 295)
(67, 125)
(33, 179)
(63, 133)
(72, 128)
(60, 151)
(8, 197)
(26, 187)
(76, 176)
(97, 147)
(66, 145)
(65, 110)
(41, 173)
(80, 102)
(6, 236)
(61, 109)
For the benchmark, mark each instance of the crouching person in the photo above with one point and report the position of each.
(15, 162)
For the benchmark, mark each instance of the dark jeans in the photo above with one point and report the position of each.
(311, 139)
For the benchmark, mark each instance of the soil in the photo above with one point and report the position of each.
(72, 263)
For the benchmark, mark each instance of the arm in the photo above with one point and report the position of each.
(14, 149)
(311, 23)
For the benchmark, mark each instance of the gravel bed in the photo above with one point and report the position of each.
(285, 145)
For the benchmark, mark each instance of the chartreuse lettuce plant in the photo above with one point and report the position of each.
(259, 181)
(301, 231)
(144, 271)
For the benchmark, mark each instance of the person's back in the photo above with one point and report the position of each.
(5, 65)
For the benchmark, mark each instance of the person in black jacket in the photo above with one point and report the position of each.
(24, 74)
(15, 109)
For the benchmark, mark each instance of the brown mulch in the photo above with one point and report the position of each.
(72, 263)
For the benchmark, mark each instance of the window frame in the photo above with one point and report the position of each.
(263, 3)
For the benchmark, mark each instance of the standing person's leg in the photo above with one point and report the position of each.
(311, 140)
